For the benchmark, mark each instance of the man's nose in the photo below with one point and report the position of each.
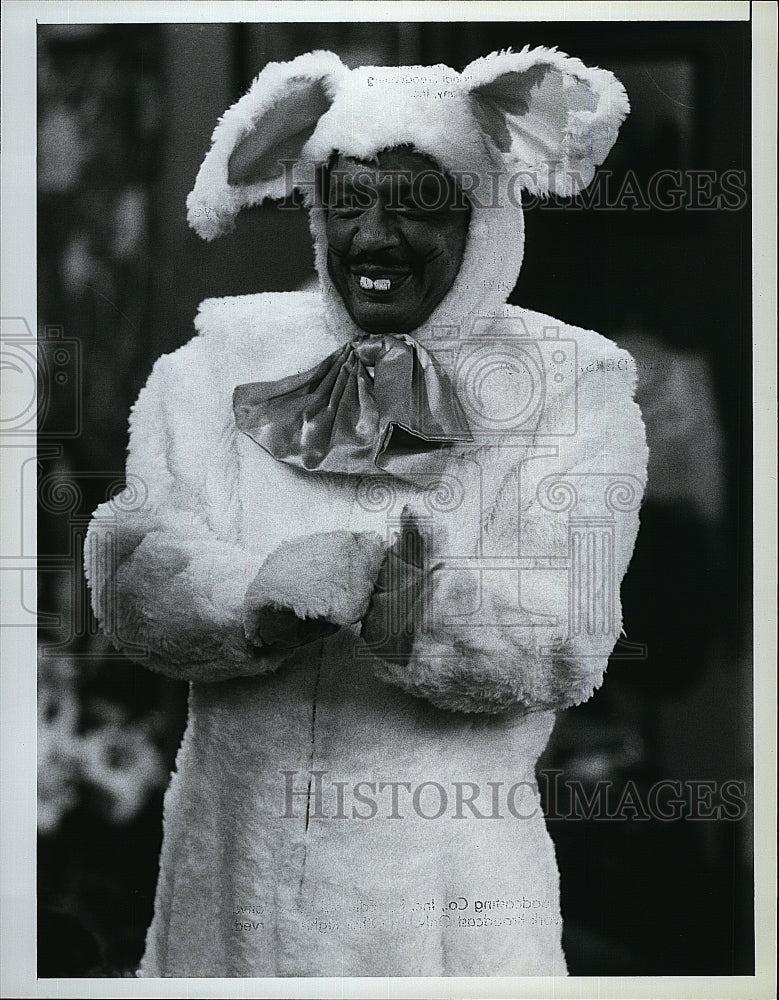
(377, 229)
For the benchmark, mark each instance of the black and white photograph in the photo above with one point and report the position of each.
(388, 418)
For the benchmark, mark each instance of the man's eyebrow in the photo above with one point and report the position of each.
(435, 189)
(432, 187)
(348, 180)
(340, 186)
(436, 182)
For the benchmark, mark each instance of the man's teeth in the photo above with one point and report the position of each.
(375, 284)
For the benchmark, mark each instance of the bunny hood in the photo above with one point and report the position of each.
(536, 120)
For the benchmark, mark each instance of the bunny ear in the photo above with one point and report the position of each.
(548, 114)
(271, 123)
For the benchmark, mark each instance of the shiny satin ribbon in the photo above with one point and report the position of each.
(379, 404)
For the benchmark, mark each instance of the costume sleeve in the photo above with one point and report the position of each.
(167, 582)
(531, 617)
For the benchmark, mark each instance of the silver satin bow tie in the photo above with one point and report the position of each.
(377, 404)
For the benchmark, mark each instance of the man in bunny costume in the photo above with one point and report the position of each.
(382, 532)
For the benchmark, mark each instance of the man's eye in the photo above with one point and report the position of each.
(411, 204)
(413, 210)
(346, 211)
(350, 204)
(424, 203)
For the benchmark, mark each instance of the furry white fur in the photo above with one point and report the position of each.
(176, 575)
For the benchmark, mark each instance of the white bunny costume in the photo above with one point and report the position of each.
(334, 812)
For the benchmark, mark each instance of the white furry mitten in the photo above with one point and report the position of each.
(309, 587)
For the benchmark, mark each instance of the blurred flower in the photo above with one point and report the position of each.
(81, 270)
(116, 758)
(58, 767)
(62, 151)
(129, 223)
(57, 791)
(121, 764)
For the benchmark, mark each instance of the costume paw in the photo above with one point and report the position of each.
(400, 603)
(309, 587)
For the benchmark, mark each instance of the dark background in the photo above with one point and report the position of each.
(125, 116)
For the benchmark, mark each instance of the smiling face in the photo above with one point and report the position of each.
(396, 233)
